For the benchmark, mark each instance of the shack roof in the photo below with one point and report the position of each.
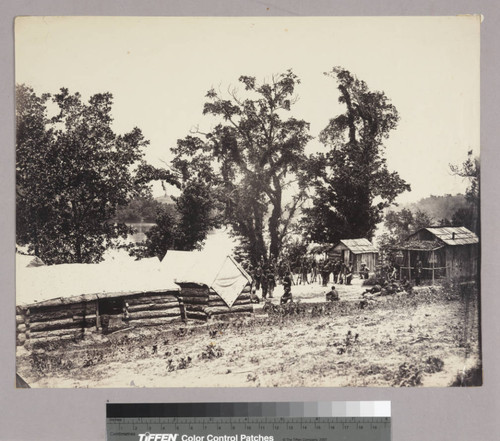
(419, 245)
(218, 271)
(76, 282)
(450, 235)
(357, 246)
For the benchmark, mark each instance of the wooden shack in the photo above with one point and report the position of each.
(356, 252)
(445, 252)
(66, 302)
(212, 286)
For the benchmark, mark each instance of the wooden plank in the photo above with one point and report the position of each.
(195, 300)
(160, 298)
(198, 308)
(246, 301)
(197, 315)
(217, 298)
(88, 317)
(194, 292)
(52, 311)
(55, 324)
(153, 306)
(151, 314)
(218, 302)
(51, 315)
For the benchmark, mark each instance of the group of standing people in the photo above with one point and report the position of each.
(268, 274)
(342, 272)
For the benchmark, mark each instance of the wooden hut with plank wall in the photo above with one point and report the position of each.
(356, 252)
(212, 286)
(67, 302)
(444, 252)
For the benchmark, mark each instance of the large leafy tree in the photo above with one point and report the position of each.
(253, 155)
(352, 182)
(400, 224)
(183, 226)
(72, 172)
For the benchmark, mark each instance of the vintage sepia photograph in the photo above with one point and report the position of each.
(248, 202)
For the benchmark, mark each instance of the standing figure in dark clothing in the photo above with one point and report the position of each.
(325, 272)
(258, 277)
(314, 270)
(342, 273)
(336, 271)
(348, 274)
(287, 287)
(271, 282)
(418, 272)
(265, 285)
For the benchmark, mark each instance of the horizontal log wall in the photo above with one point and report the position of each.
(195, 300)
(152, 298)
(66, 319)
(153, 306)
(61, 312)
(196, 315)
(201, 303)
(153, 314)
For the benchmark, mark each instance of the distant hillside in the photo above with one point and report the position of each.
(438, 207)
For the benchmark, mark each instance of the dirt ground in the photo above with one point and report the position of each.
(427, 338)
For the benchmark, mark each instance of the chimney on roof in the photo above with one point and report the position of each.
(453, 236)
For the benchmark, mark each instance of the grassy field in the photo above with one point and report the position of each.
(427, 338)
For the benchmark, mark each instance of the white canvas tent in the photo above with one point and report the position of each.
(58, 302)
(219, 272)
(28, 261)
(38, 284)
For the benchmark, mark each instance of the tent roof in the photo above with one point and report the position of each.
(451, 235)
(68, 281)
(215, 270)
(25, 261)
(358, 246)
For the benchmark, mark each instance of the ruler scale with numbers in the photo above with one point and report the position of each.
(239, 422)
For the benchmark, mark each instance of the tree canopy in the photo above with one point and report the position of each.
(72, 172)
(250, 158)
(352, 182)
(183, 226)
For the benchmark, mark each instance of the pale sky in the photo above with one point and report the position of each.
(159, 70)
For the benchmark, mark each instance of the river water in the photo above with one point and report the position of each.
(141, 229)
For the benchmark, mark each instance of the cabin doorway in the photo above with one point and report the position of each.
(110, 313)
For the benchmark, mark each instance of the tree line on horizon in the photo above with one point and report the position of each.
(76, 178)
